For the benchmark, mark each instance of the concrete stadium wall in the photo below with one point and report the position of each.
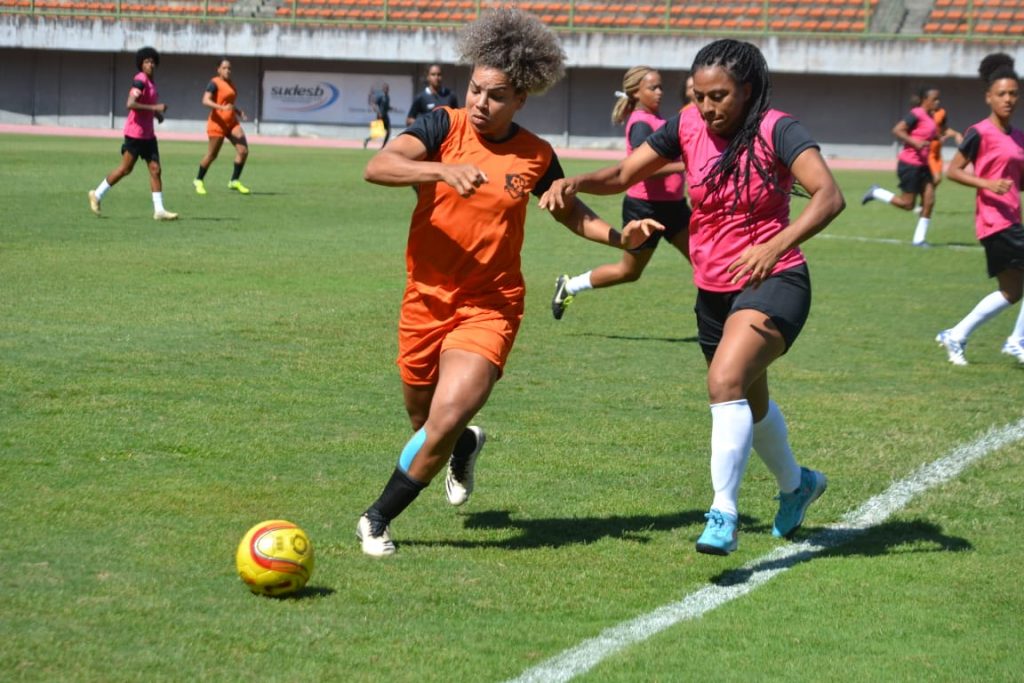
(848, 93)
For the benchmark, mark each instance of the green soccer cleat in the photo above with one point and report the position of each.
(199, 185)
(237, 186)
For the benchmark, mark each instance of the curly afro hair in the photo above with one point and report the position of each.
(996, 66)
(146, 53)
(517, 44)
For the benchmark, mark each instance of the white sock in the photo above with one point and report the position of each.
(732, 428)
(102, 188)
(1018, 328)
(921, 231)
(158, 201)
(882, 195)
(987, 308)
(579, 283)
(771, 441)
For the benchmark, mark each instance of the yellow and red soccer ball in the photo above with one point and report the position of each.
(275, 558)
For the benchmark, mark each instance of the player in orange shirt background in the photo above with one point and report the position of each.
(464, 299)
(219, 96)
(935, 150)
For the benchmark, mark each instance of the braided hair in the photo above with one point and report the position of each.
(997, 66)
(745, 65)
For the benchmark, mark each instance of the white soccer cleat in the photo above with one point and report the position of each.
(94, 202)
(1014, 347)
(163, 215)
(375, 537)
(954, 348)
(458, 484)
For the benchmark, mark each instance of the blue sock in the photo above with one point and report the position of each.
(412, 447)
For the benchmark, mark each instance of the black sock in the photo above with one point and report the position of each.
(237, 172)
(399, 493)
(465, 445)
(202, 173)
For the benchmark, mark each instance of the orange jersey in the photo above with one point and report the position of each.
(221, 122)
(935, 147)
(467, 250)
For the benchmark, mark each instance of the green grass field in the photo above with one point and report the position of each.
(164, 386)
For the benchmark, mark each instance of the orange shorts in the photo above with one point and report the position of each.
(426, 330)
(215, 129)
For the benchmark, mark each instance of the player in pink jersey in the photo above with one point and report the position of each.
(742, 158)
(139, 137)
(659, 197)
(996, 151)
(916, 131)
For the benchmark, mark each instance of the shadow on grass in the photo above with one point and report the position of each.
(889, 538)
(558, 532)
(629, 337)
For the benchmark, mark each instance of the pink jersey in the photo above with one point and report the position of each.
(140, 123)
(721, 227)
(667, 188)
(925, 130)
(1000, 155)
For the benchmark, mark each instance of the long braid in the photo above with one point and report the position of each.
(745, 65)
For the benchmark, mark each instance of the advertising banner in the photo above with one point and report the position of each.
(311, 97)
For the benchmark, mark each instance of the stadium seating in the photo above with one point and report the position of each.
(946, 18)
(979, 17)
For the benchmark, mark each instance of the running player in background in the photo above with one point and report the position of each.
(916, 131)
(995, 149)
(935, 147)
(219, 97)
(753, 287)
(433, 96)
(465, 295)
(143, 106)
(659, 197)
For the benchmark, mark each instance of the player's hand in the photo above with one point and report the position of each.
(160, 108)
(557, 196)
(637, 232)
(159, 117)
(1000, 186)
(463, 178)
(754, 264)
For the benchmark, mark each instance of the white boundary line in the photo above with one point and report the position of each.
(889, 240)
(588, 654)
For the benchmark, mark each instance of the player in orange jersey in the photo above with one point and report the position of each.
(464, 297)
(224, 122)
(935, 149)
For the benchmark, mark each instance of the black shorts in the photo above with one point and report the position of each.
(139, 147)
(913, 178)
(675, 216)
(784, 297)
(1005, 250)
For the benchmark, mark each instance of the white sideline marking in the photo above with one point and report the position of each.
(739, 582)
(889, 240)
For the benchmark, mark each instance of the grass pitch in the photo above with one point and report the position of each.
(167, 385)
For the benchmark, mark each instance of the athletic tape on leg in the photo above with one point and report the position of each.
(412, 447)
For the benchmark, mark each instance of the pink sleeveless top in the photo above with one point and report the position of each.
(721, 227)
(924, 130)
(664, 189)
(1000, 155)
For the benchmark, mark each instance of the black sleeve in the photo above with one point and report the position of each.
(790, 138)
(430, 129)
(910, 120)
(211, 88)
(638, 133)
(414, 109)
(971, 144)
(665, 141)
(139, 85)
(553, 173)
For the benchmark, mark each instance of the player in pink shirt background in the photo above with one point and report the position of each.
(916, 131)
(742, 158)
(996, 151)
(139, 137)
(659, 197)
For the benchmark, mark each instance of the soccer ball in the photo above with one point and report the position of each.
(275, 558)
